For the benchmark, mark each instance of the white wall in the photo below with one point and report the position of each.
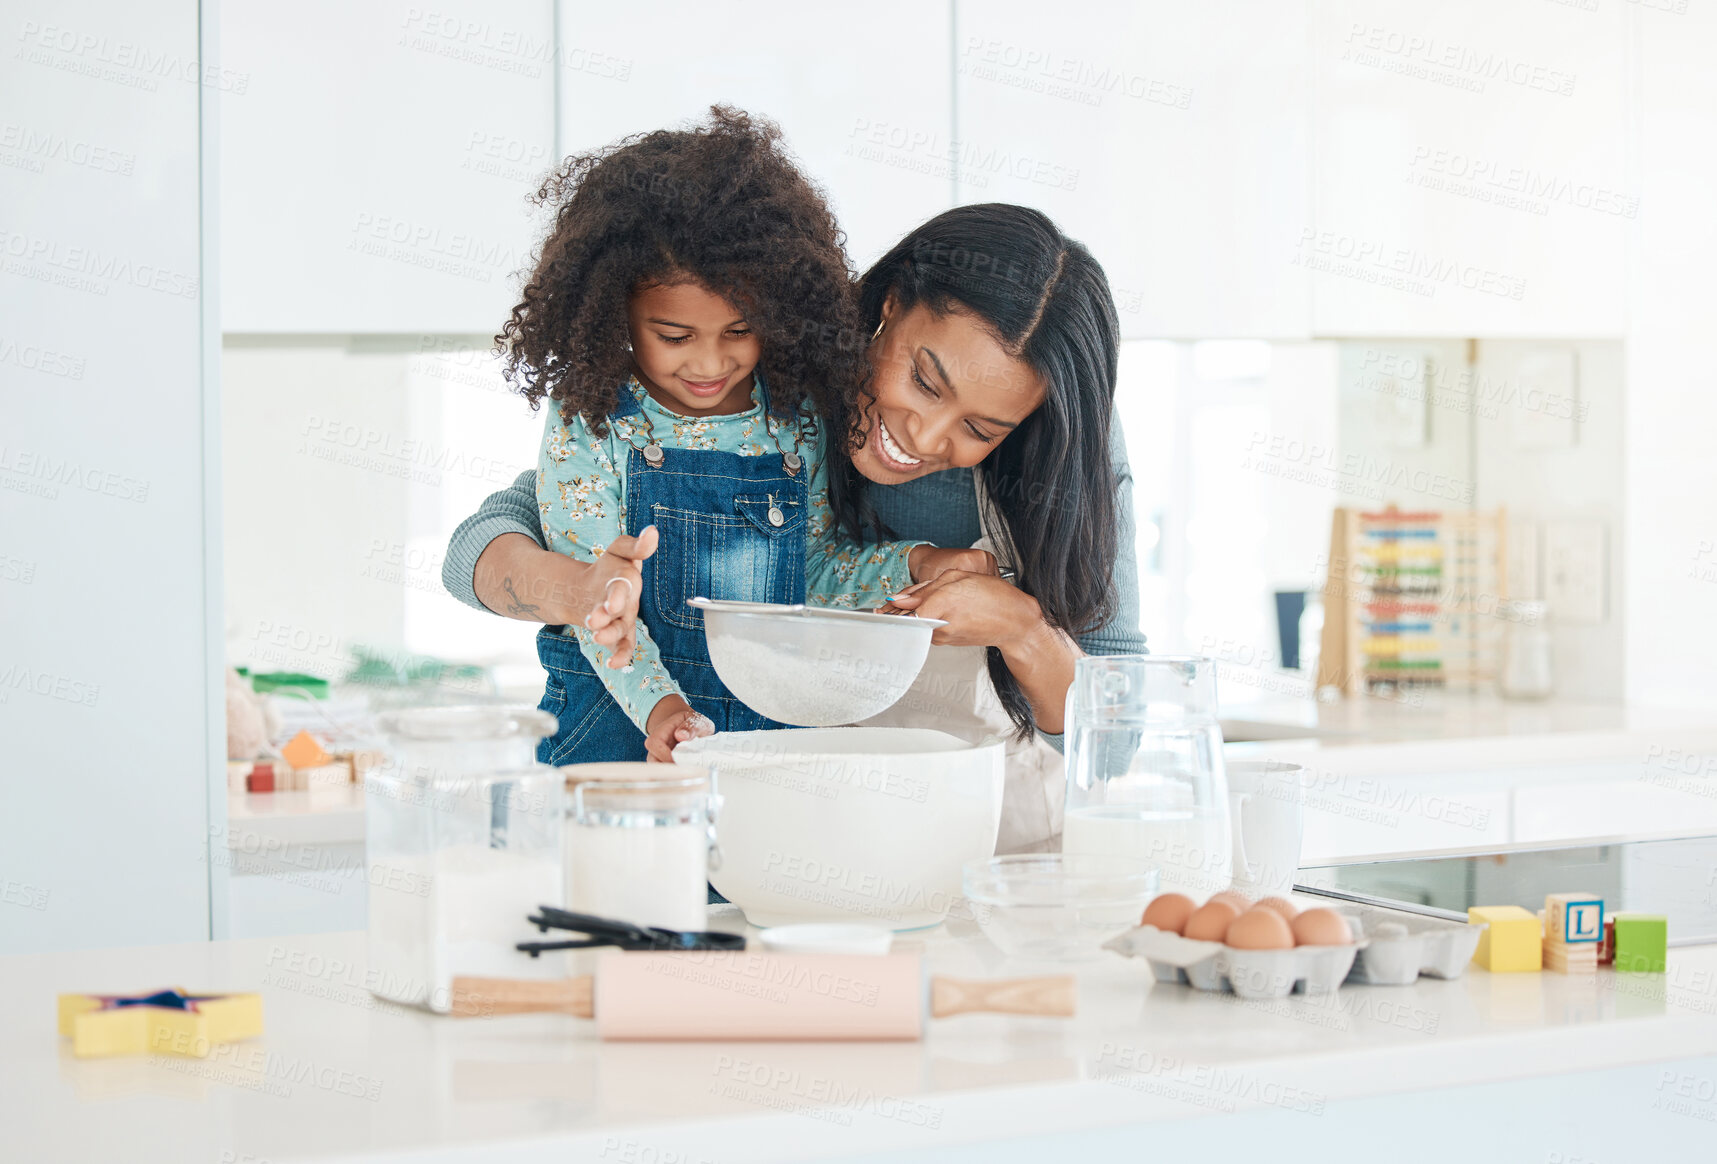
(1582, 478)
(1406, 430)
(1173, 139)
(377, 162)
(1469, 174)
(1671, 569)
(316, 493)
(105, 494)
(863, 94)
(347, 463)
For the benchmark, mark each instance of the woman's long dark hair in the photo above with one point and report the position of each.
(1048, 302)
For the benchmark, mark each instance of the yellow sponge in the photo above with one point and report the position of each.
(1514, 941)
(167, 1022)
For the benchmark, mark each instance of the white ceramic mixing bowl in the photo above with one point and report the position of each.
(864, 824)
(814, 666)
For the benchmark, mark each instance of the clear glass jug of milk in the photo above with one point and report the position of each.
(1144, 768)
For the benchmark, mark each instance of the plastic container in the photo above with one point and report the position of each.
(1248, 973)
(459, 853)
(1057, 907)
(640, 843)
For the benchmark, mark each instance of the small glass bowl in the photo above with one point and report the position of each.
(1057, 907)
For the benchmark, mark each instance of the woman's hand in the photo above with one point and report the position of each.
(617, 577)
(985, 611)
(929, 562)
(981, 610)
(672, 722)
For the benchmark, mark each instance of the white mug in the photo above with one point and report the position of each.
(1265, 797)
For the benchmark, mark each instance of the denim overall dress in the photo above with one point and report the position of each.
(731, 527)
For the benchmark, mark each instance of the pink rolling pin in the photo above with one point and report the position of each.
(740, 995)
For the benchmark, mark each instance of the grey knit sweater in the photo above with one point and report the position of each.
(941, 508)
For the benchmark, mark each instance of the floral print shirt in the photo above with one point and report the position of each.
(581, 494)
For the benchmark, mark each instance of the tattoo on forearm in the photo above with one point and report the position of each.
(516, 606)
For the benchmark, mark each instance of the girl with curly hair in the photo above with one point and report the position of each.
(690, 312)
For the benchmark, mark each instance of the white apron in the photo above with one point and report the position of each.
(953, 694)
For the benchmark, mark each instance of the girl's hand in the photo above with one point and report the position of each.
(929, 562)
(617, 578)
(981, 610)
(672, 722)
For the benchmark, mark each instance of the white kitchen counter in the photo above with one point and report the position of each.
(1460, 772)
(313, 816)
(340, 1076)
(1452, 731)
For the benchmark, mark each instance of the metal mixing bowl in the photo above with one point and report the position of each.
(814, 666)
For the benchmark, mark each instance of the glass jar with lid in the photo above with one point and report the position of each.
(640, 842)
(462, 842)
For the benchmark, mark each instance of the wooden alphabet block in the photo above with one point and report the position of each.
(1642, 943)
(1565, 959)
(1513, 942)
(1573, 919)
(261, 778)
(302, 751)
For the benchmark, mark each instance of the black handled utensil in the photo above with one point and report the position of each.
(603, 931)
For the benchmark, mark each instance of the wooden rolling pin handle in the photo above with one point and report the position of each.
(1055, 994)
(483, 997)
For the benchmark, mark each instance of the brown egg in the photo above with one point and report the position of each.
(1279, 905)
(1321, 927)
(1233, 897)
(1210, 921)
(1168, 911)
(1260, 929)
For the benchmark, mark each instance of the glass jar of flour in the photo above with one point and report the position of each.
(640, 842)
(462, 842)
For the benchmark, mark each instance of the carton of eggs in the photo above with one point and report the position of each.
(1396, 954)
(1264, 949)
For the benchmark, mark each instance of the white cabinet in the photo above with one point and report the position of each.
(1469, 166)
(862, 94)
(106, 664)
(374, 165)
(1171, 138)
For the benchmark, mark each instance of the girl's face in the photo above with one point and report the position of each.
(694, 352)
(946, 394)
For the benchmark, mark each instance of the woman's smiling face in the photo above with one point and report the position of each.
(946, 393)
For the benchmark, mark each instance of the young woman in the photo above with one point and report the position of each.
(987, 414)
